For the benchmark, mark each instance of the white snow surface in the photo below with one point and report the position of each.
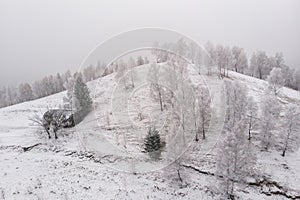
(92, 161)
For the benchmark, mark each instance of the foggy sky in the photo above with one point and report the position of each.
(39, 37)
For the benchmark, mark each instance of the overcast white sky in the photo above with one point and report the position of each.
(39, 37)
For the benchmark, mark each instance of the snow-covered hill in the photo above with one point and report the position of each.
(97, 158)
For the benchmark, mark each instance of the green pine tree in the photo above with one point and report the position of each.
(83, 102)
(152, 140)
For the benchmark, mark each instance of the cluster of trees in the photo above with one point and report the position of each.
(279, 127)
(182, 48)
(53, 84)
(122, 68)
(189, 110)
(275, 127)
(234, 58)
(46, 86)
(260, 65)
(235, 157)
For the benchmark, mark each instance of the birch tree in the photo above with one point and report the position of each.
(204, 111)
(253, 65)
(252, 110)
(270, 114)
(176, 146)
(131, 65)
(25, 92)
(236, 100)
(291, 137)
(155, 87)
(121, 73)
(235, 159)
(275, 80)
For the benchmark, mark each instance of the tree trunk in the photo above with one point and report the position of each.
(132, 81)
(286, 142)
(179, 176)
(160, 99)
(249, 130)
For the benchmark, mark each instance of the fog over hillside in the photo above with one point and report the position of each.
(41, 38)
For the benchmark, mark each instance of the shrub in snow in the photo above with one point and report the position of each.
(56, 119)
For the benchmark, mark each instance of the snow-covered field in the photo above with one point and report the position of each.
(103, 160)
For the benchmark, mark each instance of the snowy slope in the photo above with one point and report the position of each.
(60, 169)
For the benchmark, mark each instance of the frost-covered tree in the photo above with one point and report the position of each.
(252, 110)
(287, 75)
(59, 83)
(171, 78)
(3, 101)
(223, 59)
(9, 96)
(192, 52)
(66, 76)
(276, 61)
(89, 73)
(146, 60)
(239, 60)
(100, 70)
(235, 159)
(236, 52)
(253, 65)
(68, 99)
(181, 47)
(203, 111)
(270, 114)
(140, 61)
(38, 89)
(176, 146)
(262, 67)
(291, 138)
(83, 101)
(227, 59)
(155, 86)
(236, 100)
(121, 68)
(220, 58)
(131, 65)
(155, 50)
(78, 98)
(296, 79)
(184, 96)
(25, 92)
(275, 80)
(209, 57)
(50, 85)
